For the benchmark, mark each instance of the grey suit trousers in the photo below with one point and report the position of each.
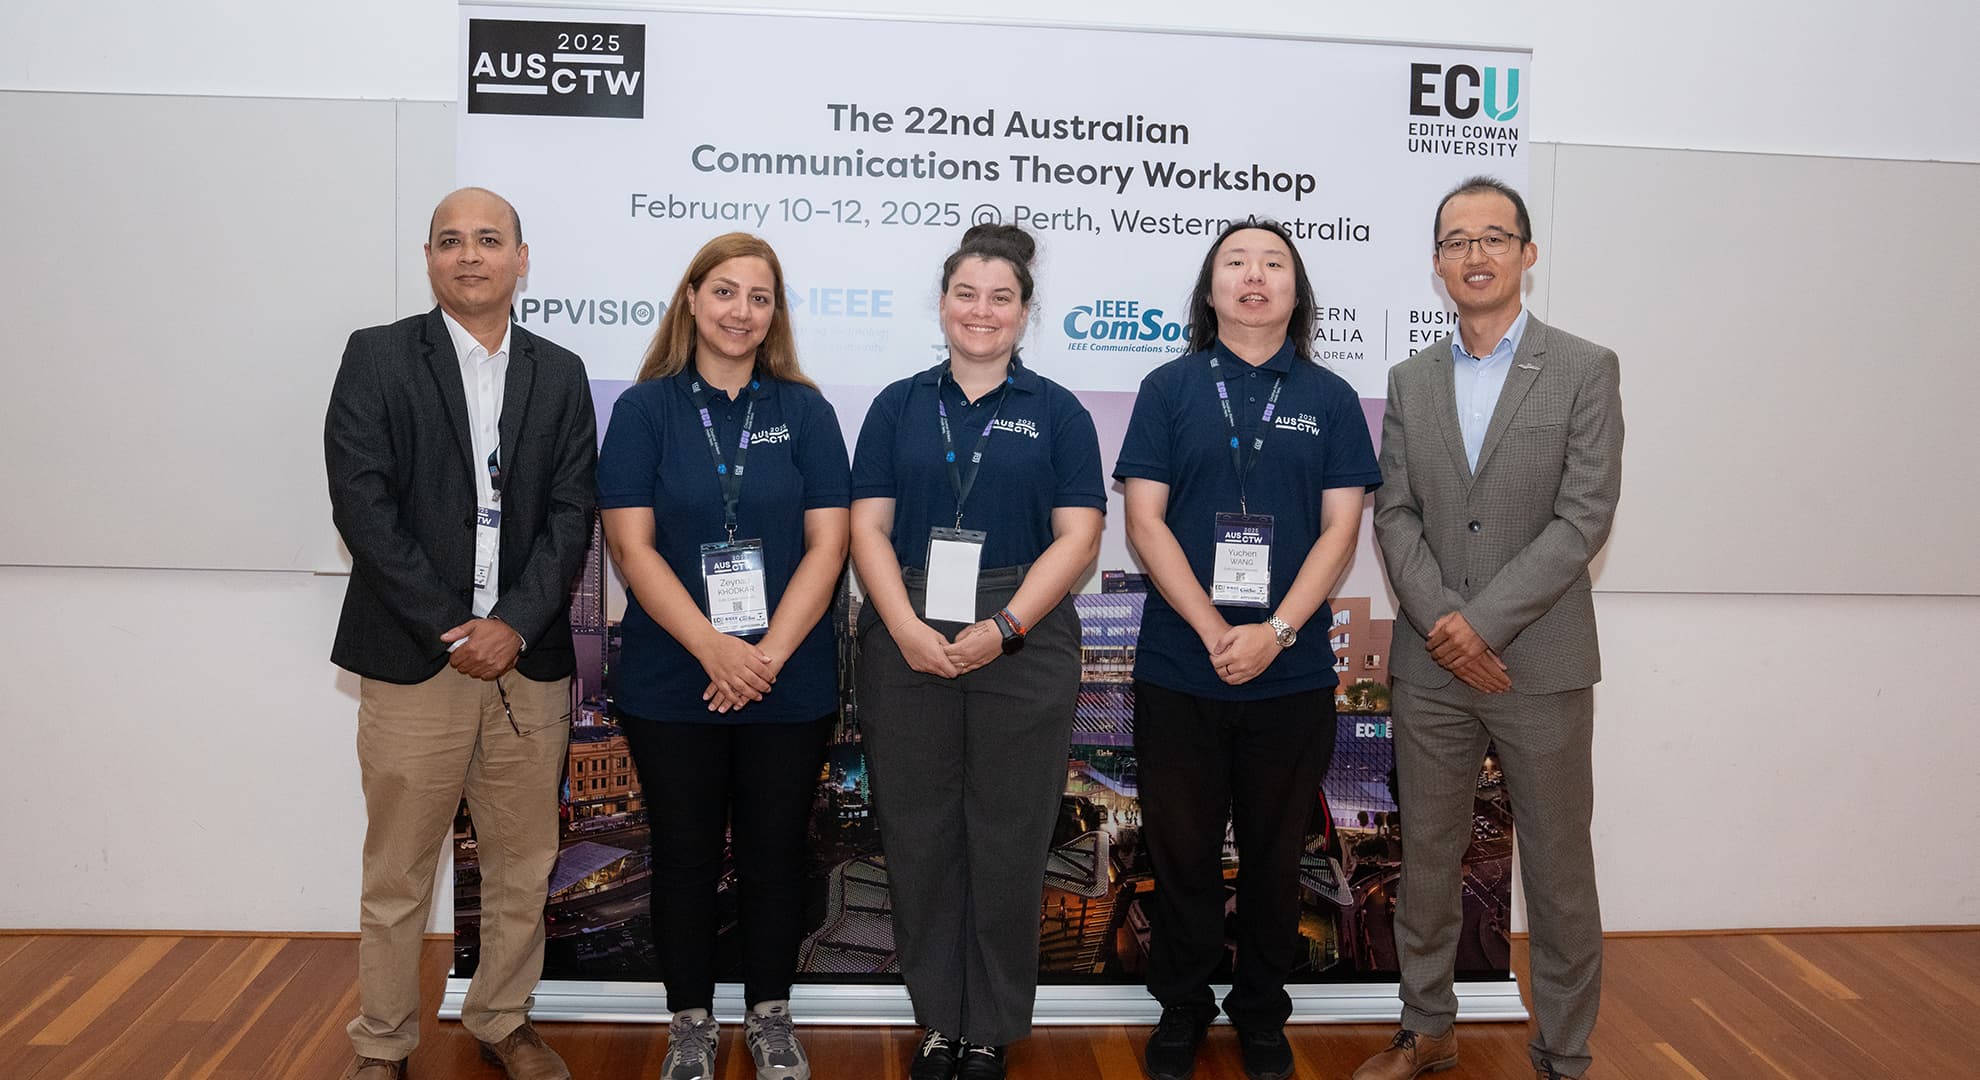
(1543, 743)
(967, 776)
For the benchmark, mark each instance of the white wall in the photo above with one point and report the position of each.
(1857, 80)
(179, 749)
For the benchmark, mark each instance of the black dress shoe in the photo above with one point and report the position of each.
(935, 1058)
(1267, 1055)
(981, 1063)
(1171, 1050)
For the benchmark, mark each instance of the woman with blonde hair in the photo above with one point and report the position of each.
(724, 488)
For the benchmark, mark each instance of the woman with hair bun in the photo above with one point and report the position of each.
(977, 504)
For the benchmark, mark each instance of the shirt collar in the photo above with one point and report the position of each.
(759, 388)
(1281, 361)
(464, 342)
(1022, 377)
(1510, 342)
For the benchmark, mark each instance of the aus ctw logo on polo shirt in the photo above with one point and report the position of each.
(780, 433)
(1027, 428)
(1306, 423)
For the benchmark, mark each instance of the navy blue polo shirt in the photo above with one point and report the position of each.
(1042, 454)
(1178, 436)
(655, 455)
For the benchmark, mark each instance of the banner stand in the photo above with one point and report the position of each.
(887, 1004)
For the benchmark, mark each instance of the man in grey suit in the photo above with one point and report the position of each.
(1501, 464)
(460, 452)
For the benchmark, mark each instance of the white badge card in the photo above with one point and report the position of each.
(954, 557)
(1241, 574)
(738, 600)
(487, 541)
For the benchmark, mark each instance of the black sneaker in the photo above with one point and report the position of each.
(1267, 1054)
(981, 1063)
(935, 1059)
(1171, 1051)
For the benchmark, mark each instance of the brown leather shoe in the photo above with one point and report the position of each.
(1411, 1054)
(523, 1056)
(371, 1068)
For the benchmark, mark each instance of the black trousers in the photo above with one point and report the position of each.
(755, 783)
(1256, 764)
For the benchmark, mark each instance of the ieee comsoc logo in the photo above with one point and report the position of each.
(1462, 91)
(556, 68)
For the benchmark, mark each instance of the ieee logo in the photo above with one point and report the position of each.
(1462, 91)
(556, 68)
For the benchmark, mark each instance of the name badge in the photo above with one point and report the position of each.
(487, 542)
(1241, 575)
(954, 557)
(738, 600)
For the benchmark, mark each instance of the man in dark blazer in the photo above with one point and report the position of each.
(1501, 465)
(460, 452)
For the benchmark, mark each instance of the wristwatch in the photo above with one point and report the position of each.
(1282, 631)
(1012, 630)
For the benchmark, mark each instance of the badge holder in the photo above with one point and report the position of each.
(1241, 574)
(954, 558)
(732, 574)
(487, 541)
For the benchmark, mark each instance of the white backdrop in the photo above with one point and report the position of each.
(1185, 123)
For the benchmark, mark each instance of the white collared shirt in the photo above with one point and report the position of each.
(484, 376)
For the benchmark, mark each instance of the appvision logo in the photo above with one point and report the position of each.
(1462, 91)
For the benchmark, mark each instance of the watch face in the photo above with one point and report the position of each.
(1013, 643)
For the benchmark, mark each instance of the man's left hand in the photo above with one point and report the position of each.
(1453, 643)
(488, 648)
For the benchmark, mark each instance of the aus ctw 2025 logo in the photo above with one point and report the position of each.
(1463, 91)
(524, 68)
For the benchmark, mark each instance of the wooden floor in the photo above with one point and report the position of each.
(1802, 1006)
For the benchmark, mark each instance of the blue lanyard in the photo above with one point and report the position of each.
(730, 478)
(1239, 462)
(958, 479)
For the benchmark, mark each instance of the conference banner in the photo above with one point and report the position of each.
(862, 149)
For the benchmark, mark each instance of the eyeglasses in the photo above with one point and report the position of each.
(1457, 247)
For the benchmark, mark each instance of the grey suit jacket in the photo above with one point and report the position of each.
(1510, 546)
(401, 466)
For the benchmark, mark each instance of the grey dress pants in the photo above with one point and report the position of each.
(967, 775)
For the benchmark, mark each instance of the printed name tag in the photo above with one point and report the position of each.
(738, 600)
(954, 557)
(487, 541)
(1241, 575)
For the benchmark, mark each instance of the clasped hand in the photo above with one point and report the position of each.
(1459, 649)
(927, 651)
(738, 672)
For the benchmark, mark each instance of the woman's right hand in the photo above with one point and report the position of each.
(924, 648)
(737, 670)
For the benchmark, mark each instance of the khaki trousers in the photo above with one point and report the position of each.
(420, 749)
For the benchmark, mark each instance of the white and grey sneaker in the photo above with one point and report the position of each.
(773, 1043)
(691, 1042)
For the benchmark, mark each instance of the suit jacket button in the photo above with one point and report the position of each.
(1474, 526)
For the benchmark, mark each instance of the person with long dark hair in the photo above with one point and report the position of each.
(977, 505)
(1245, 464)
(724, 488)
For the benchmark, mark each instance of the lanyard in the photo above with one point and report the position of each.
(1239, 463)
(731, 479)
(958, 479)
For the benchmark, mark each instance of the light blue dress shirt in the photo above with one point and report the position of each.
(1478, 382)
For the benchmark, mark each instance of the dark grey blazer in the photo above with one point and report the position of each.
(399, 454)
(1509, 546)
